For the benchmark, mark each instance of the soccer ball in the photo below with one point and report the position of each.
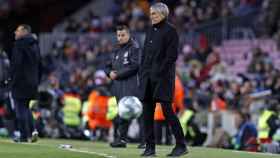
(130, 107)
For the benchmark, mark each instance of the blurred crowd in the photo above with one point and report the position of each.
(75, 99)
(74, 61)
(186, 14)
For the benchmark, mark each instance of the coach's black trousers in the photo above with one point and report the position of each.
(171, 118)
(24, 118)
(120, 128)
(161, 126)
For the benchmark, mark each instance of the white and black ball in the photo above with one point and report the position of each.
(130, 107)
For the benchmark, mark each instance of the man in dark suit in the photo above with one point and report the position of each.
(25, 78)
(123, 71)
(158, 78)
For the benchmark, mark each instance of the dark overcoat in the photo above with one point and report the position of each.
(159, 61)
(25, 68)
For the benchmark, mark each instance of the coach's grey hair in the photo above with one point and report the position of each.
(161, 8)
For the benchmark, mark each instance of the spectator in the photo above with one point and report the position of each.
(246, 137)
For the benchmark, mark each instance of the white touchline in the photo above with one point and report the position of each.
(70, 149)
(91, 152)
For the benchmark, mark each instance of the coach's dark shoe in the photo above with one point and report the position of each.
(178, 151)
(149, 151)
(118, 144)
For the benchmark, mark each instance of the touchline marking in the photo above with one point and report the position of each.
(70, 149)
(109, 156)
(91, 152)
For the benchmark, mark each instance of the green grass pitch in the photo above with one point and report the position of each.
(47, 148)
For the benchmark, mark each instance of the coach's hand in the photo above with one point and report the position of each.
(113, 75)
